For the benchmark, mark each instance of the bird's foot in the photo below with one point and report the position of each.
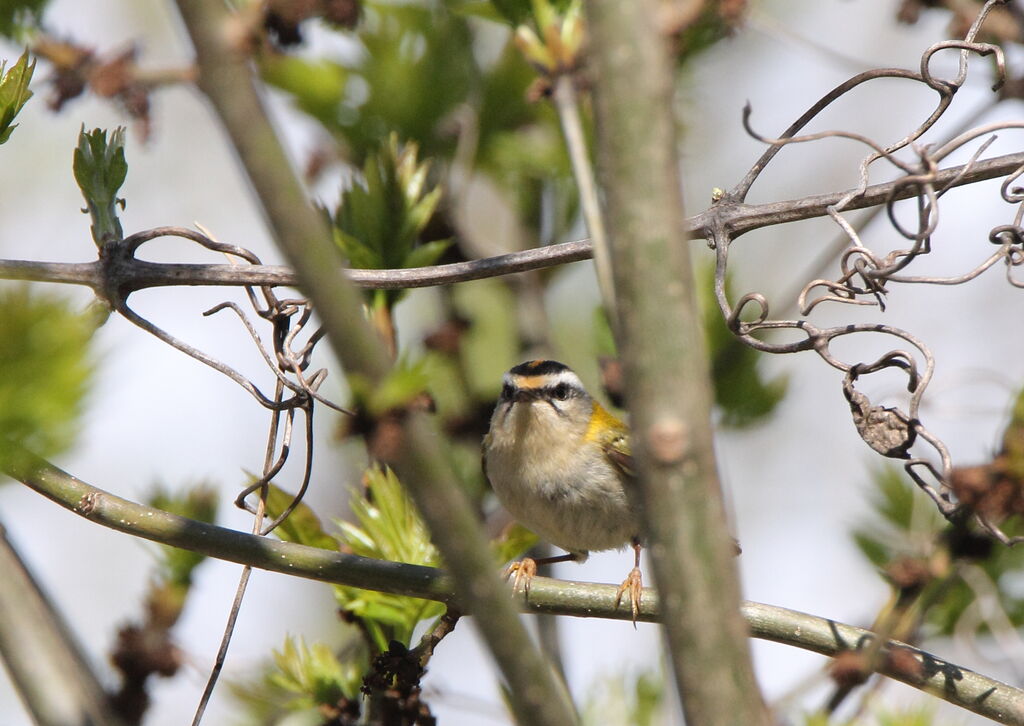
(524, 570)
(635, 586)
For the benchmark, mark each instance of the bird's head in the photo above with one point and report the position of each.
(542, 396)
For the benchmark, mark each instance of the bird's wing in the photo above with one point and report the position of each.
(620, 456)
(613, 436)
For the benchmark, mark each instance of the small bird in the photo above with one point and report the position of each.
(561, 464)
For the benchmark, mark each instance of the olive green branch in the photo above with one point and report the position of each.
(962, 687)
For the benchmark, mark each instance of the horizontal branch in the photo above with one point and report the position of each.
(738, 219)
(967, 689)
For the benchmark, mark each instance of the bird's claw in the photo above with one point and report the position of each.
(634, 584)
(524, 570)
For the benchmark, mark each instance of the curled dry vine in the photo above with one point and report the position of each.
(866, 275)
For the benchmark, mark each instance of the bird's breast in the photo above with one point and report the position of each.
(567, 494)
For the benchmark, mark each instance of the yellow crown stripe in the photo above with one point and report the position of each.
(532, 382)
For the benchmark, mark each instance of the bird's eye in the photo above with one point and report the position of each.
(506, 392)
(561, 391)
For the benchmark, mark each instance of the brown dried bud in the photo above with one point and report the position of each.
(989, 490)
(70, 68)
(909, 574)
(538, 90)
(447, 338)
(905, 662)
(387, 439)
(731, 12)
(117, 78)
(849, 669)
(909, 11)
(110, 78)
(283, 17)
(384, 434)
(141, 652)
(341, 13)
(965, 544)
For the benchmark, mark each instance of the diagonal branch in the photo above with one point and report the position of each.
(975, 692)
(42, 656)
(226, 79)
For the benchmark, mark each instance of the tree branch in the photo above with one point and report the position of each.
(43, 657)
(660, 338)
(226, 78)
(740, 218)
(967, 689)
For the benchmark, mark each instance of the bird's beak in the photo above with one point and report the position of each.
(524, 395)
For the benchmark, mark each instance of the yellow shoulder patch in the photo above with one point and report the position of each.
(604, 426)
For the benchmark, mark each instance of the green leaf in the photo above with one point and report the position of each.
(873, 548)
(100, 170)
(315, 675)
(898, 503)
(400, 387)
(317, 86)
(903, 522)
(427, 253)
(197, 502)
(513, 12)
(637, 699)
(909, 716)
(18, 16)
(416, 69)
(1013, 439)
(302, 525)
(484, 9)
(514, 542)
(379, 223)
(387, 527)
(14, 93)
(45, 369)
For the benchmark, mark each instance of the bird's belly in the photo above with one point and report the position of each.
(577, 513)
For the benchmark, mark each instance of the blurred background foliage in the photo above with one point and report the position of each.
(45, 367)
(45, 360)
(941, 572)
(430, 102)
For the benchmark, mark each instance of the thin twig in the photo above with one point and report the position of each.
(739, 218)
(567, 105)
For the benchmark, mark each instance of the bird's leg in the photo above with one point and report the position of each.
(633, 583)
(526, 569)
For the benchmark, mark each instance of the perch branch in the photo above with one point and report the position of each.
(959, 686)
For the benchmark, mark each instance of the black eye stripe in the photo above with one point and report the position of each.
(561, 391)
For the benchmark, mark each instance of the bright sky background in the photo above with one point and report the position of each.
(796, 485)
